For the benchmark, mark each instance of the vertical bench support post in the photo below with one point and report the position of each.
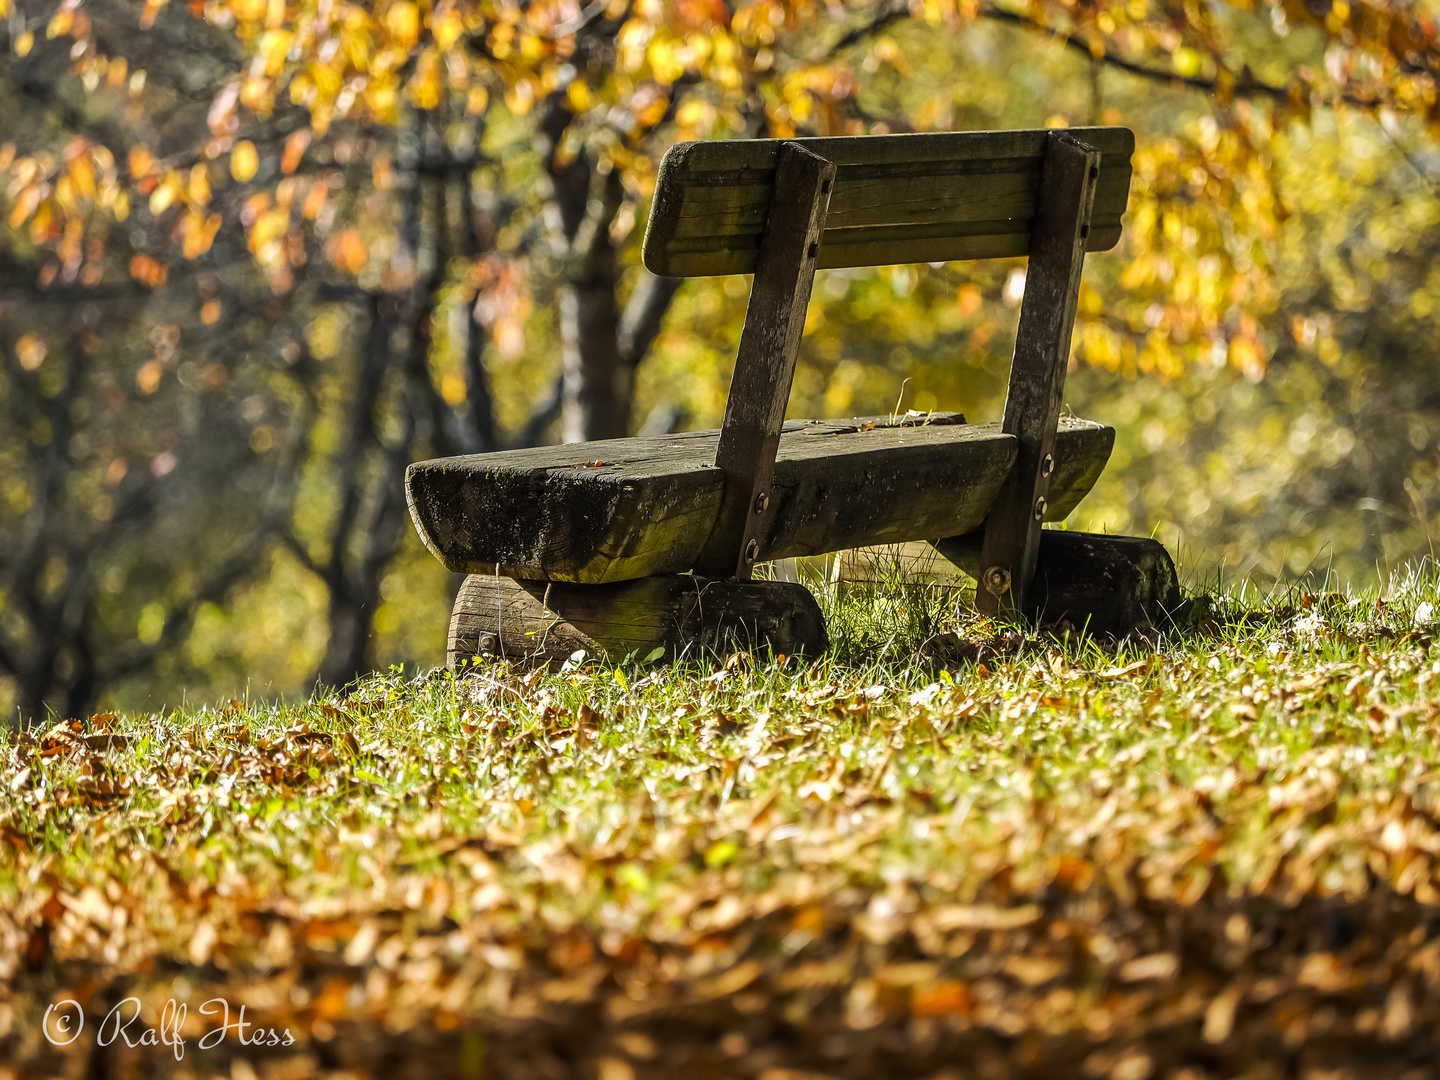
(1037, 373)
(765, 363)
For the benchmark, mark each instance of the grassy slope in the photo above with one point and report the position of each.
(965, 855)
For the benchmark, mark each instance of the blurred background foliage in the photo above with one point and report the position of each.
(258, 255)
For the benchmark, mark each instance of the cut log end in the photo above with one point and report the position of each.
(1109, 586)
(680, 614)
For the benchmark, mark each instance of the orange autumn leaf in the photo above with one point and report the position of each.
(141, 161)
(147, 379)
(943, 998)
(148, 272)
(350, 251)
(30, 350)
(199, 233)
(315, 200)
(294, 150)
(26, 204)
(83, 177)
(198, 189)
(44, 225)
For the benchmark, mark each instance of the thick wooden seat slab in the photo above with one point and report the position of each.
(928, 197)
(629, 508)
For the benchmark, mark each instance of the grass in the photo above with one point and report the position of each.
(947, 849)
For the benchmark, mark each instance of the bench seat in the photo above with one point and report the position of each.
(622, 509)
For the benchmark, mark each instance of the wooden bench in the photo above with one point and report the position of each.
(645, 544)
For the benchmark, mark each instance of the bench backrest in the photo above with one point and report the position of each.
(897, 198)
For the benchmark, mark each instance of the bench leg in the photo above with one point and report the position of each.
(1108, 585)
(1037, 373)
(765, 361)
(538, 620)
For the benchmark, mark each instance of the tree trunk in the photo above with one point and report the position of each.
(595, 404)
(593, 407)
(373, 523)
(475, 233)
(351, 608)
(348, 644)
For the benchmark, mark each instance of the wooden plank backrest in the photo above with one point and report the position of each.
(897, 198)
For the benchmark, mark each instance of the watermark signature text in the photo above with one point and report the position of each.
(65, 1022)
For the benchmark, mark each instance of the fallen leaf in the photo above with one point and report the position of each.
(103, 741)
(730, 982)
(202, 943)
(945, 998)
(1220, 1014)
(1034, 970)
(1156, 966)
(983, 917)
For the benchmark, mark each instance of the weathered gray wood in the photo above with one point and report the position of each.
(1037, 372)
(536, 620)
(765, 362)
(897, 198)
(630, 508)
(1105, 585)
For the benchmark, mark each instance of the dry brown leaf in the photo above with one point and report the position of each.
(1155, 967)
(613, 1068)
(102, 741)
(359, 947)
(64, 738)
(1034, 970)
(1220, 1014)
(1134, 1064)
(329, 1004)
(982, 917)
(729, 982)
(1325, 972)
(202, 942)
(944, 998)
(907, 974)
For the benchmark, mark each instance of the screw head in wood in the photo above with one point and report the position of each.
(996, 581)
(762, 502)
(486, 644)
(752, 550)
(1048, 465)
(1040, 508)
